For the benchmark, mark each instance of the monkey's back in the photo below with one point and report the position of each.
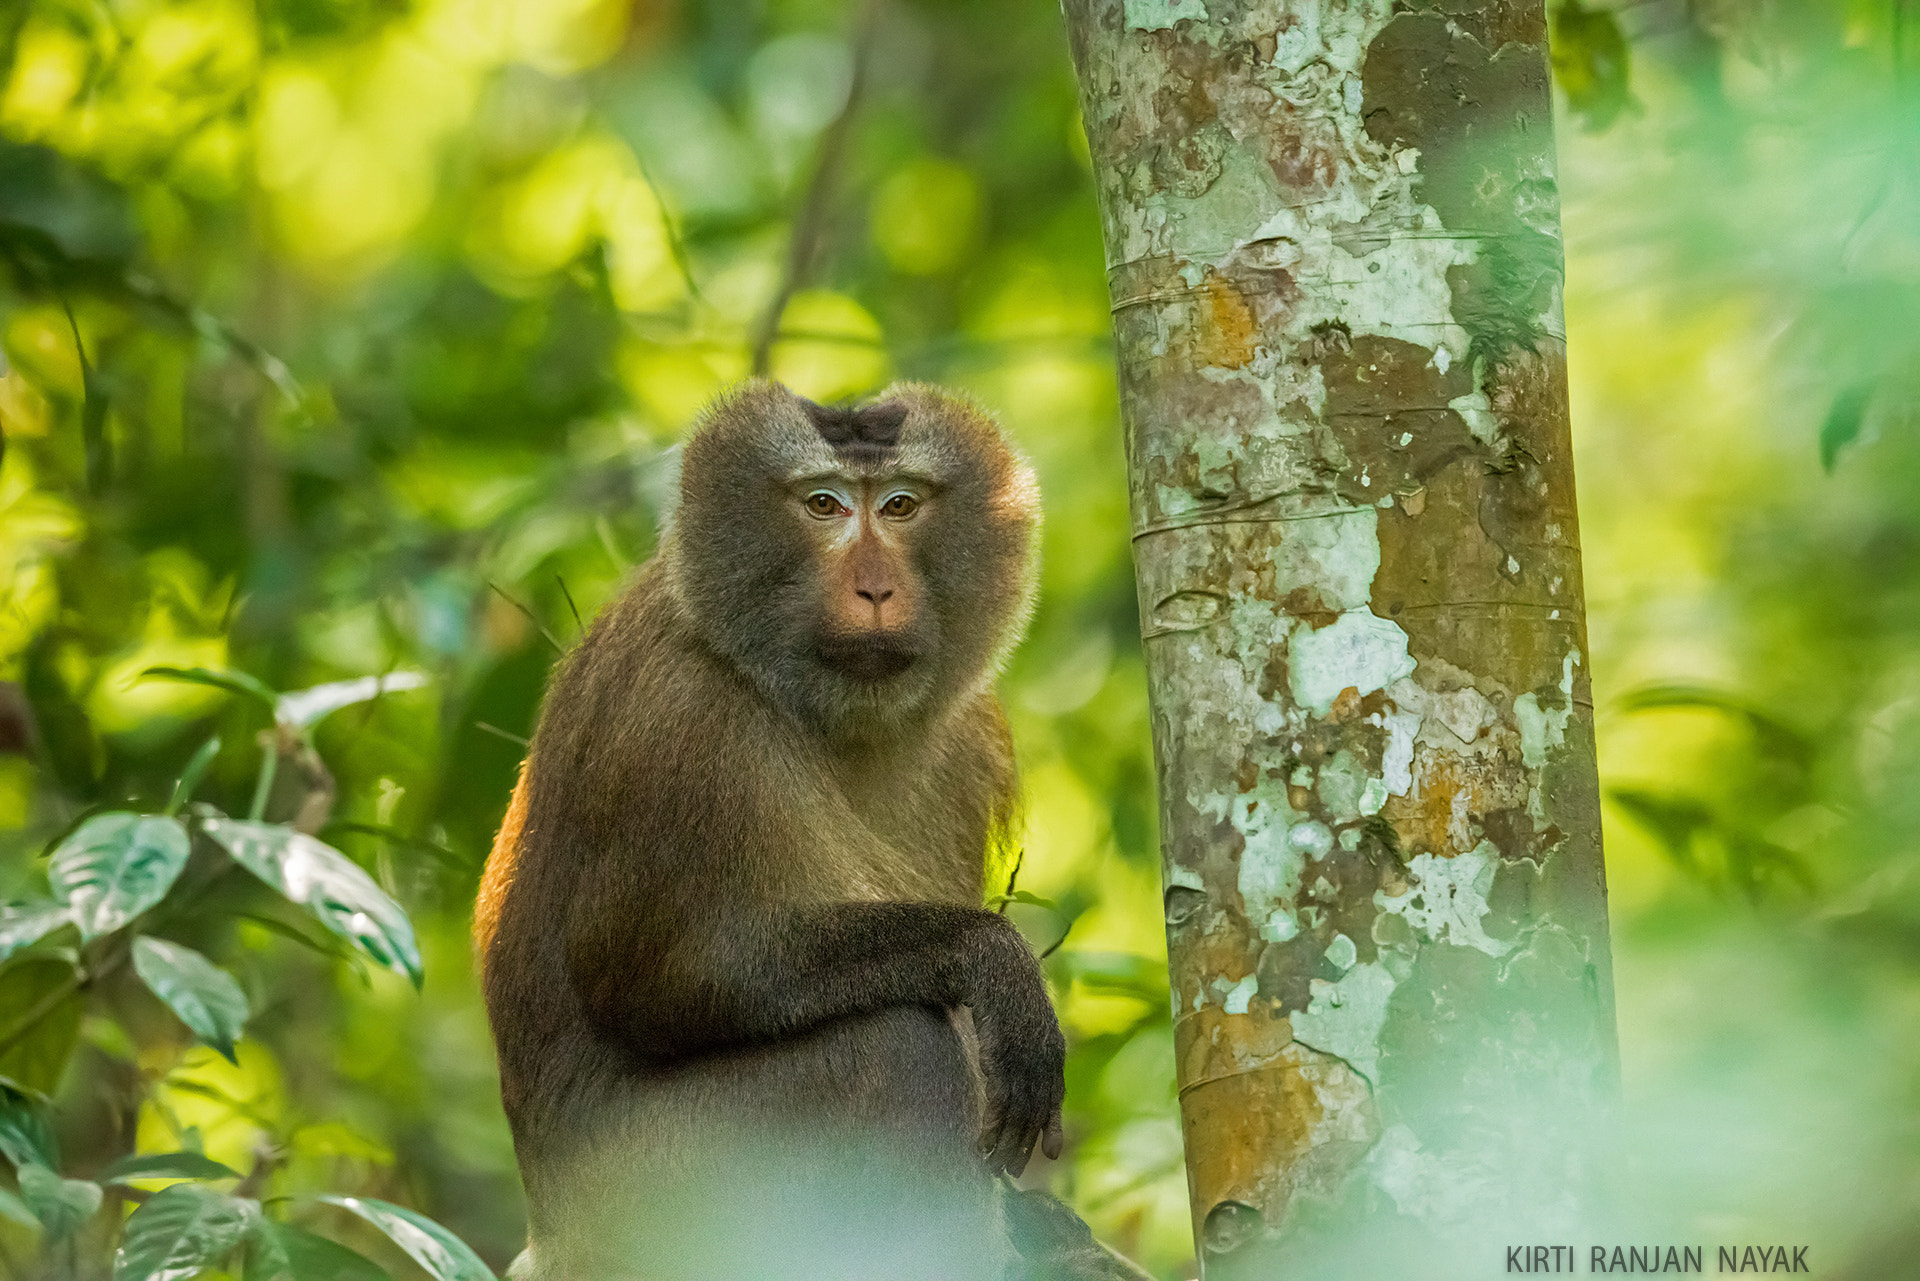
(662, 786)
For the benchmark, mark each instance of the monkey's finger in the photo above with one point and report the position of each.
(1004, 1156)
(1000, 1153)
(1055, 1138)
(990, 1130)
(1019, 1154)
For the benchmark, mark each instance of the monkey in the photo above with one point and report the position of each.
(751, 1016)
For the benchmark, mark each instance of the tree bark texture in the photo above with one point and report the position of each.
(1332, 230)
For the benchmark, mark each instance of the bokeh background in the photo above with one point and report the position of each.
(351, 336)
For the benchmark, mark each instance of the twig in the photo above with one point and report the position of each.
(266, 1156)
(111, 960)
(506, 734)
(533, 618)
(263, 782)
(578, 626)
(1898, 40)
(1013, 878)
(810, 223)
(676, 243)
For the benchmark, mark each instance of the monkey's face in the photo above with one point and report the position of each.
(863, 567)
(873, 623)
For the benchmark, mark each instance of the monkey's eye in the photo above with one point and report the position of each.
(900, 506)
(824, 503)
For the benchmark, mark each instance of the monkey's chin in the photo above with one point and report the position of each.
(866, 658)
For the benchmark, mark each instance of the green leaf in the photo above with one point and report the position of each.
(24, 924)
(37, 1059)
(61, 1205)
(1674, 821)
(303, 708)
(166, 1165)
(326, 883)
(1843, 422)
(282, 1252)
(12, 1207)
(233, 682)
(116, 866)
(25, 1136)
(181, 1232)
(206, 997)
(1775, 736)
(1590, 61)
(445, 1256)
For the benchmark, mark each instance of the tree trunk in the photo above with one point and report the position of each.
(1333, 244)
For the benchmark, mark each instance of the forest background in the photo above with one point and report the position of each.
(349, 337)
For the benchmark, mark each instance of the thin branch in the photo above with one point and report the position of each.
(578, 626)
(266, 1156)
(676, 243)
(809, 225)
(509, 735)
(78, 981)
(1013, 878)
(1898, 40)
(533, 618)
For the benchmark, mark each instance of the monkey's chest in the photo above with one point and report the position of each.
(916, 843)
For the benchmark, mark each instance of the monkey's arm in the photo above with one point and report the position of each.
(757, 975)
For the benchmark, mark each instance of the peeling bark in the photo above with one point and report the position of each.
(1332, 231)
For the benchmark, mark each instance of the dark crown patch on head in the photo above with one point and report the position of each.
(868, 429)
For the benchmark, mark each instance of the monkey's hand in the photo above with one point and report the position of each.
(1022, 1054)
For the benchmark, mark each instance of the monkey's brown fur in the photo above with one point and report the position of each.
(733, 915)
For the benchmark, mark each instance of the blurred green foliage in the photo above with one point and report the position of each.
(345, 337)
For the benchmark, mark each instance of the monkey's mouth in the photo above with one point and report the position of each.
(872, 657)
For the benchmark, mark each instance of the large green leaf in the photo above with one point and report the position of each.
(205, 996)
(445, 1256)
(166, 1165)
(328, 884)
(25, 1136)
(282, 1252)
(61, 1205)
(181, 1232)
(303, 708)
(24, 924)
(116, 866)
(41, 989)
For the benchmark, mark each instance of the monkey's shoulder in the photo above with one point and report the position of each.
(643, 673)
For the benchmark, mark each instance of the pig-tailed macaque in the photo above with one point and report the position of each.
(752, 1019)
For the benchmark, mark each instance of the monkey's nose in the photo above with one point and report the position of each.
(877, 595)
